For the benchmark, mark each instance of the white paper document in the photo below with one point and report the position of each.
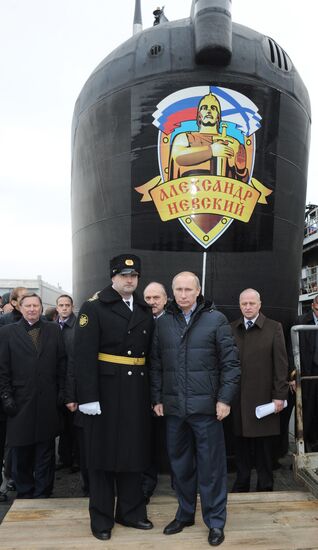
(266, 409)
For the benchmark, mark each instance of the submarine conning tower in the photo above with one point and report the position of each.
(144, 125)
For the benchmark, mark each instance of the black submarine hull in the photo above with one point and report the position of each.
(127, 197)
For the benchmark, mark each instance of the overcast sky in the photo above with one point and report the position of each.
(48, 48)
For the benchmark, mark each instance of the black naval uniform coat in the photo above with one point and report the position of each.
(118, 440)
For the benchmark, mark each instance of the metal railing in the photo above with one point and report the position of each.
(311, 222)
(309, 283)
(305, 463)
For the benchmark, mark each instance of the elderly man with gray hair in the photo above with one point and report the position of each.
(264, 366)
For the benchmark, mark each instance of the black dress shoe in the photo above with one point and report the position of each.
(140, 524)
(3, 497)
(176, 526)
(11, 485)
(102, 535)
(216, 536)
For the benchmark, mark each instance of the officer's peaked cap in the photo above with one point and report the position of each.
(124, 264)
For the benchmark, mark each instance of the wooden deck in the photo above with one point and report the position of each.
(269, 521)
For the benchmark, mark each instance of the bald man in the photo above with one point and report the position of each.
(264, 366)
(156, 297)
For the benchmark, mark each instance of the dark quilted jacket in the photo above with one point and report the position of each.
(193, 366)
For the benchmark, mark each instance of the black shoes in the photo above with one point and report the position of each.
(11, 485)
(140, 524)
(176, 526)
(3, 497)
(216, 536)
(102, 535)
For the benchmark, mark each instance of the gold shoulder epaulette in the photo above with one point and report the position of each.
(94, 297)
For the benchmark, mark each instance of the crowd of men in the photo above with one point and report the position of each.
(130, 371)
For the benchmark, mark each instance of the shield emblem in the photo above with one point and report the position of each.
(206, 150)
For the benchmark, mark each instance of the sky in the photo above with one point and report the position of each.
(48, 49)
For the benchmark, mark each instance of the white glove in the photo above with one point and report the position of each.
(90, 408)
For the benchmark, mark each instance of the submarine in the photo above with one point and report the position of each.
(190, 145)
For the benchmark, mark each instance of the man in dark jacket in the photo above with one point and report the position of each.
(112, 340)
(8, 318)
(308, 341)
(194, 376)
(264, 366)
(3, 423)
(155, 296)
(15, 315)
(68, 447)
(32, 371)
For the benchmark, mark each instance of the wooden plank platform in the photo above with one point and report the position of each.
(269, 521)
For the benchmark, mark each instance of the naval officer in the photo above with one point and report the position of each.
(112, 338)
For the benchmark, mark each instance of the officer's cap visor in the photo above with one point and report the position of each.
(128, 272)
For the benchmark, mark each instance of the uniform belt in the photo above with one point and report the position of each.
(121, 360)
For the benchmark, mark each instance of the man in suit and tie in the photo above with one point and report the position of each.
(112, 340)
(155, 295)
(32, 371)
(68, 449)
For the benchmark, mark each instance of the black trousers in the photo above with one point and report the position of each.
(250, 452)
(159, 456)
(82, 459)
(68, 449)
(3, 424)
(130, 499)
(33, 469)
(310, 412)
(197, 456)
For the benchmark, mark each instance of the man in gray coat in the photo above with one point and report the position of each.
(264, 377)
(194, 376)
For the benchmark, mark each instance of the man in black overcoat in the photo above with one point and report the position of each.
(5, 452)
(309, 367)
(112, 339)
(32, 371)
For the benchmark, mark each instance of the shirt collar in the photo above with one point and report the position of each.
(62, 321)
(187, 316)
(130, 300)
(157, 316)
